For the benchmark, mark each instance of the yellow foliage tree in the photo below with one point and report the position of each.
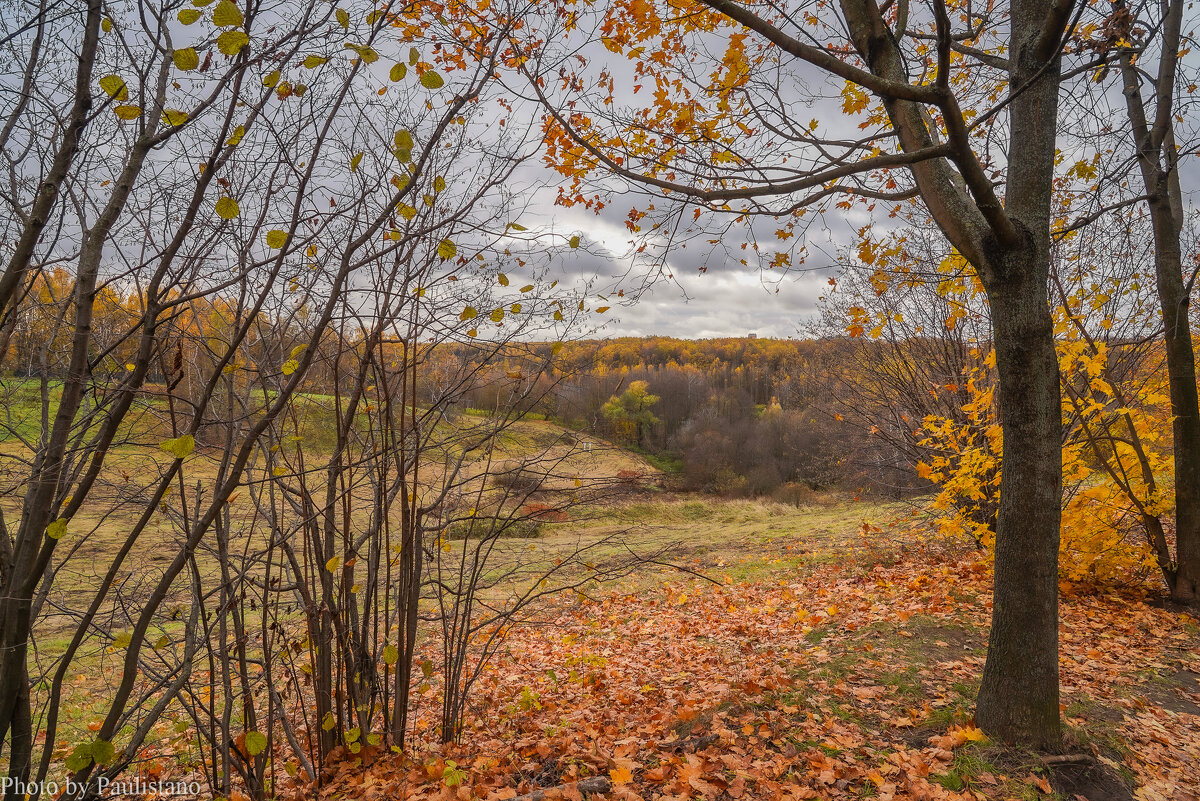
(1117, 469)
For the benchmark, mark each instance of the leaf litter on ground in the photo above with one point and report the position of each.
(844, 680)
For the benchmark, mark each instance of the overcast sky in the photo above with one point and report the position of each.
(674, 297)
(727, 300)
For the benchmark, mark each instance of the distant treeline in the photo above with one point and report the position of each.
(739, 416)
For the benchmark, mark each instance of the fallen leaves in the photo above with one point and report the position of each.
(686, 691)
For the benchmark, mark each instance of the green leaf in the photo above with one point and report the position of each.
(114, 86)
(390, 655)
(343, 19)
(414, 55)
(516, 227)
(256, 743)
(80, 758)
(231, 42)
(180, 447)
(186, 59)
(403, 139)
(574, 241)
(431, 80)
(122, 640)
(227, 207)
(276, 239)
(227, 13)
(271, 78)
(468, 313)
(367, 54)
(162, 642)
(103, 752)
(398, 72)
(189, 16)
(402, 155)
(56, 529)
(453, 775)
(446, 249)
(497, 315)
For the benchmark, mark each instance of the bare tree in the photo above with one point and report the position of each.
(257, 220)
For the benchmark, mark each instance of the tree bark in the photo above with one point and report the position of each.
(1019, 694)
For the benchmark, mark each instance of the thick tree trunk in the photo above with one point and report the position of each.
(1018, 697)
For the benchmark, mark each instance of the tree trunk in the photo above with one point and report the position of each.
(1185, 404)
(1018, 697)
(20, 743)
(1158, 164)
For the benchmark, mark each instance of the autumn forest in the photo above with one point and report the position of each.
(381, 417)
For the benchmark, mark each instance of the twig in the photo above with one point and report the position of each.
(1066, 759)
(596, 784)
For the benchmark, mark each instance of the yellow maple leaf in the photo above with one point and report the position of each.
(620, 775)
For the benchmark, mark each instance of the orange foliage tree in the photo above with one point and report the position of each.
(723, 129)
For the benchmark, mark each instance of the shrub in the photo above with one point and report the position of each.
(793, 494)
(484, 527)
(519, 480)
